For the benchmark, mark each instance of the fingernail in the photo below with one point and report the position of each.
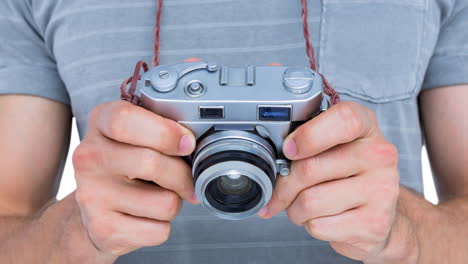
(187, 144)
(290, 148)
(263, 212)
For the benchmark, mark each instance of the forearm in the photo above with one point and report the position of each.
(55, 236)
(433, 233)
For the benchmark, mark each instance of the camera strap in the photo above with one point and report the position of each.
(134, 99)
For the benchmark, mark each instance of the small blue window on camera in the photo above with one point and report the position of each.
(274, 113)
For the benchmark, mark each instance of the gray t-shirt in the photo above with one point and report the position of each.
(381, 53)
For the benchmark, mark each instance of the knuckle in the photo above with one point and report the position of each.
(123, 109)
(84, 197)
(170, 136)
(310, 226)
(391, 153)
(313, 229)
(85, 157)
(100, 231)
(303, 169)
(350, 115)
(387, 154)
(167, 128)
(150, 163)
(292, 217)
(308, 167)
(164, 233)
(172, 205)
(308, 198)
(116, 129)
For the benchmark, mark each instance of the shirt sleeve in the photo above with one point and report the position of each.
(449, 64)
(26, 65)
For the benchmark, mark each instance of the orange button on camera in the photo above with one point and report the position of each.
(192, 60)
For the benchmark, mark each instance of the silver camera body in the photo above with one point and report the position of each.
(240, 117)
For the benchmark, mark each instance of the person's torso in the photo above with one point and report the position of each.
(374, 52)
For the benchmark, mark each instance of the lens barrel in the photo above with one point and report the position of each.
(234, 173)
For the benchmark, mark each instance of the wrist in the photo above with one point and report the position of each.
(73, 244)
(403, 243)
(402, 246)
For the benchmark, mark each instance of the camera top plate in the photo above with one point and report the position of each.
(178, 91)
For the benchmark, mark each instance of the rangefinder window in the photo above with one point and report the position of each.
(274, 113)
(211, 112)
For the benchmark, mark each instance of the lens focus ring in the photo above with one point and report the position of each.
(234, 173)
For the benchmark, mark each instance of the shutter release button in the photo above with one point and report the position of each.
(195, 89)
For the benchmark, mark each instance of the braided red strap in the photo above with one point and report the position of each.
(328, 89)
(157, 34)
(131, 97)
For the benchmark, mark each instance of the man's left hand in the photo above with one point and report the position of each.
(344, 182)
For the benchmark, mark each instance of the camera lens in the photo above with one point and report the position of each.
(234, 184)
(234, 173)
(233, 193)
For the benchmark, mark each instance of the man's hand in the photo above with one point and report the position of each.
(130, 180)
(344, 182)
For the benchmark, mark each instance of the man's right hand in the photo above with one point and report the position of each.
(130, 177)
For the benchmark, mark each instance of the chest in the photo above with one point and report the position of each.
(373, 50)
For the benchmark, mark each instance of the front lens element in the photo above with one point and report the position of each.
(233, 194)
(234, 184)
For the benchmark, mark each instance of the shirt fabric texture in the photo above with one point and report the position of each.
(380, 53)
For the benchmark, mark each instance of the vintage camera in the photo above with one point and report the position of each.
(240, 117)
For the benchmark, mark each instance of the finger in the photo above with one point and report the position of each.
(120, 233)
(110, 158)
(340, 124)
(359, 251)
(169, 172)
(339, 228)
(330, 198)
(142, 199)
(365, 224)
(145, 232)
(336, 163)
(134, 125)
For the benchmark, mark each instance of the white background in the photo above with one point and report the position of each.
(68, 184)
